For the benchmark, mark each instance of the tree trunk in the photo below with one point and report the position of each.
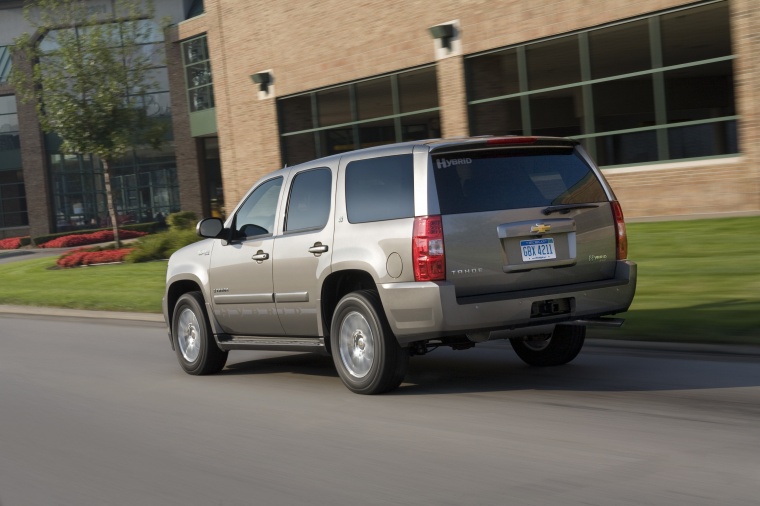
(109, 203)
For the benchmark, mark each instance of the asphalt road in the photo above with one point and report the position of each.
(99, 413)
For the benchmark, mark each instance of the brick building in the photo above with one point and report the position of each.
(661, 92)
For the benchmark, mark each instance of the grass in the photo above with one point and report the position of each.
(699, 281)
(114, 287)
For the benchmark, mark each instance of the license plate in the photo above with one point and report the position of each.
(537, 249)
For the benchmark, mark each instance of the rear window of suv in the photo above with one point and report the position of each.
(478, 181)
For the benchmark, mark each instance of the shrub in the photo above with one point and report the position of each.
(83, 239)
(13, 242)
(183, 220)
(91, 256)
(160, 246)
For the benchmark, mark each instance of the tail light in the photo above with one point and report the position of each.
(427, 249)
(621, 237)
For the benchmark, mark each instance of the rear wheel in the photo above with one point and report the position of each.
(367, 355)
(562, 346)
(194, 342)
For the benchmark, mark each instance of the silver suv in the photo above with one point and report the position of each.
(379, 254)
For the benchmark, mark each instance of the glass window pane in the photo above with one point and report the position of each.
(374, 98)
(703, 140)
(620, 49)
(295, 113)
(514, 178)
(418, 90)
(558, 113)
(334, 106)
(377, 133)
(7, 105)
(503, 117)
(337, 140)
(417, 127)
(309, 203)
(623, 104)
(493, 75)
(380, 189)
(299, 148)
(701, 92)
(553, 63)
(201, 99)
(637, 147)
(256, 215)
(696, 34)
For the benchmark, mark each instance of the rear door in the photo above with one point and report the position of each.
(302, 253)
(522, 217)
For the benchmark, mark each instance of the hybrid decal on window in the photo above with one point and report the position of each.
(444, 164)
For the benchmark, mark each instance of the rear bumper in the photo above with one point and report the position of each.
(420, 311)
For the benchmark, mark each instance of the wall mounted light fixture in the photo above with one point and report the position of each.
(447, 41)
(263, 79)
(443, 32)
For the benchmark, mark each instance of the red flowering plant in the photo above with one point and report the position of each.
(92, 256)
(68, 241)
(11, 243)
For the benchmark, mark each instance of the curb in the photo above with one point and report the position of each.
(81, 313)
(643, 346)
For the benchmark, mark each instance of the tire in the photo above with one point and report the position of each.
(367, 355)
(562, 346)
(193, 340)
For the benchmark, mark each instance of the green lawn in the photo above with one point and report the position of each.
(117, 287)
(698, 281)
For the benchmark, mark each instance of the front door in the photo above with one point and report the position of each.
(240, 274)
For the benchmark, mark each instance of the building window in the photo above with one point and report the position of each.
(392, 108)
(5, 63)
(200, 89)
(13, 211)
(653, 88)
(143, 183)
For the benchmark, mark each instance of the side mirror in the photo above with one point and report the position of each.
(210, 227)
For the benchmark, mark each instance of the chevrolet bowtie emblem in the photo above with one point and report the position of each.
(540, 228)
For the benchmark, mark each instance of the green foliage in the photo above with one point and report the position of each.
(160, 246)
(90, 78)
(183, 220)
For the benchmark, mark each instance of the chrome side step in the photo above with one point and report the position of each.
(228, 342)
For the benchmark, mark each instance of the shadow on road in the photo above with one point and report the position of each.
(498, 369)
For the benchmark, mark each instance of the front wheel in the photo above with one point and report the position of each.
(367, 355)
(194, 342)
(562, 346)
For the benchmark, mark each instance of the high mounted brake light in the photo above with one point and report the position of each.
(511, 140)
(621, 237)
(427, 249)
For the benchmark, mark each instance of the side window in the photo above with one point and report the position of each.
(380, 189)
(309, 203)
(256, 216)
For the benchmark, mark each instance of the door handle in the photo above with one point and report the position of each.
(260, 256)
(318, 248)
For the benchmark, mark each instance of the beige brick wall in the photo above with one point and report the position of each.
(315, 43)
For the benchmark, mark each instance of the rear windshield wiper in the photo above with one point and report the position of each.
(566, 208)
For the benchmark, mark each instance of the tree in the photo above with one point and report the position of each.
(90, 73)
